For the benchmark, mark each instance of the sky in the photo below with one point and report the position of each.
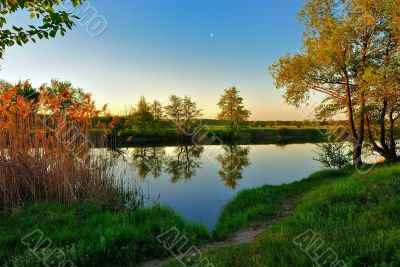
(125, 49)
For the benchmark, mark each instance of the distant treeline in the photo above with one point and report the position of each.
(122, 122)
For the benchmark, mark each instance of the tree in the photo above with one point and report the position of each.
(182, 111)
(383, 110)
(232, 109)
(344, 42)
(66, 93)
(52, 21)
(141, 118)
(156, 110)
(4, 86)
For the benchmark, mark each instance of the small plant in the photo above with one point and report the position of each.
(334, 155)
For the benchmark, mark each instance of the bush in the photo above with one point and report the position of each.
(333, 155)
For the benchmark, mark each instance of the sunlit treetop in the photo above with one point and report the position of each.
(49, 17)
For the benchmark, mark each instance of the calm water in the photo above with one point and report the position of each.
(197, 181)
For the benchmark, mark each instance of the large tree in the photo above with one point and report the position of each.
(383, 107)
(232, 109)
(345, 41)
(48, 16)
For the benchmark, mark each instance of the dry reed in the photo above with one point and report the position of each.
(46, 153)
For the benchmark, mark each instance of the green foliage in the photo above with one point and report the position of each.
(142, 119)
(232, 109)
(183, 112)
(335, 155)
(157, 111)
(52, 21)
(4, 86)
(350, 54)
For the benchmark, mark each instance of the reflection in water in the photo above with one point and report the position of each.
(148, 160)
(232, 162)
(214, 181)
(182, 165)
(185, 160)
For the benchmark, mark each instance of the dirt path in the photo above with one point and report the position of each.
(243, 236)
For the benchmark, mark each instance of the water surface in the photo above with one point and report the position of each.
(198, 181)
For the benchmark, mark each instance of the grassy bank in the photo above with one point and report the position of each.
(261, 204)
(90, 235)
(357, 217)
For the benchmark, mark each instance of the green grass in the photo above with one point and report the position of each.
(91, 235)
(357, 216)
(261, 204)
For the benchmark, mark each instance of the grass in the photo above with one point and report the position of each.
(261, 204)
(357, 216)
(92, 235)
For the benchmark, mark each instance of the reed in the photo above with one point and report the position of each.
(46, 153)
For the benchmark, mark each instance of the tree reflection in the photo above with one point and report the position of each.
(232, 162)
(184, 163)
(148, 160)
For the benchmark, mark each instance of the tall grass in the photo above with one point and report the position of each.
(45, 148)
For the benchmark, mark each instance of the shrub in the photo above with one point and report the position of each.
(333, 155)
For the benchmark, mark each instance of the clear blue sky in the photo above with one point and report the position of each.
(156, 48)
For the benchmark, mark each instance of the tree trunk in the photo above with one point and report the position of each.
(389, 153)
(357, 148)
(382, 122)
(371, 138)
(393, 151)
(361, 131)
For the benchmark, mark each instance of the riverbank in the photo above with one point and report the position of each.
(89, 234)
(353, 218)
(218, 135)
(341, 206)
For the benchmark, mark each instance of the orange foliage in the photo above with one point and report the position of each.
(46, 151)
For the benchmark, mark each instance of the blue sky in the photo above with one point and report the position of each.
(157, 48)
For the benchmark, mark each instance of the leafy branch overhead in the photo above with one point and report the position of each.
(49, 17)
